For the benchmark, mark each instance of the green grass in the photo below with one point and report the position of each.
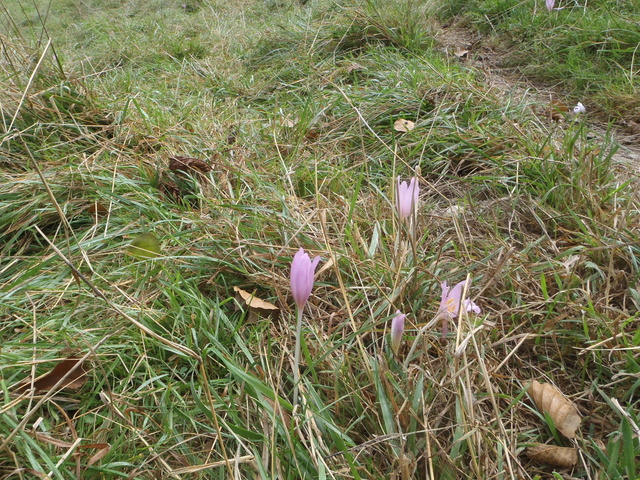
(292, 105)
(585, 50)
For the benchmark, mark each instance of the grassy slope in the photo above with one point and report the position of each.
(586, 52)
(293, 106)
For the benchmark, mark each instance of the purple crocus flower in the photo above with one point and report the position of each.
(397, 329)
(302, 271)
(550, 4)
(450, 304)
(407, 197)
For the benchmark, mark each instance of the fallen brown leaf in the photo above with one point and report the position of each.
(188, 164)
(402, 125)
(254, 302)
(97, 210)
(564, 457)
(74, 380)
(562, 411)
(103, 449)
(557, 110)
(634, 127)
(460, 52)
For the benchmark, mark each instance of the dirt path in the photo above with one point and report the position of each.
(466, 45)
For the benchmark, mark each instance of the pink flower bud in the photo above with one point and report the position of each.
(397, 329)
(407, 197)
(302, 271)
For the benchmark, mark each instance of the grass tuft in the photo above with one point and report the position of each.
(235, 134)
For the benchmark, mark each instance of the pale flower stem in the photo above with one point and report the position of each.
(413, 242)
(296, 357)
(398, 256)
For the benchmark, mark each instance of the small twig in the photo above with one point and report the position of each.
(29, 82)
(68, 231)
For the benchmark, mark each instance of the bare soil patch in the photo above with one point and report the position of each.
(468, 46)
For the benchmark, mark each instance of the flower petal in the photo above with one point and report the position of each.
(471, 306)
(302, 272)
(407, 197)
(454, 298)
(579, 108)
(397, 329)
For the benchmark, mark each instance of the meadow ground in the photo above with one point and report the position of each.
(162, 162)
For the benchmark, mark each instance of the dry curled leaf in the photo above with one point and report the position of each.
(564, 457)
(557, 110)
(460, 52)
(188, 164)
(46, 382)
(257, 307)
(103, 449)
(402, 125)
(255, 304)
(562, 411)
(634, 127)
(97, 210)
(170, 189)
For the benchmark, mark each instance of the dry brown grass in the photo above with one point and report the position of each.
(184, 383)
